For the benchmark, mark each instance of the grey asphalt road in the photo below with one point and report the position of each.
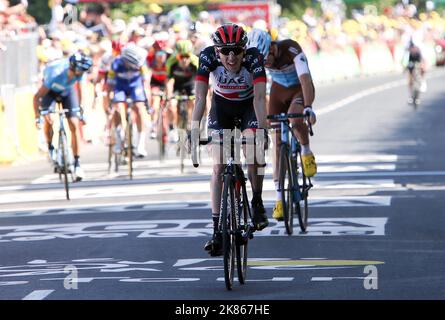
(376, 225)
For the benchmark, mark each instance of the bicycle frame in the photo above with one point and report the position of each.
(294, 150)
(63, 155)
(290, 157)
(238, 218)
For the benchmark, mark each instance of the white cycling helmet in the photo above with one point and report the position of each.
(259, 39)
(134, 55)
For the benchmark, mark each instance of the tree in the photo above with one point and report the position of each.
(40, 10)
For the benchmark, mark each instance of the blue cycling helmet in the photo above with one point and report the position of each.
(259, 39)
(80, 61)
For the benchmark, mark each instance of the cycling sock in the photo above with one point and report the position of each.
(76, 161)
(305, 149)
(278, 193)
(215, 217)
(256, 197)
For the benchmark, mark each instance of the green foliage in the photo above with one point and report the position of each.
(40, 11)
(294, 9)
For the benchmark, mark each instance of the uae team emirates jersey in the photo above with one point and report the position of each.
(228, 85)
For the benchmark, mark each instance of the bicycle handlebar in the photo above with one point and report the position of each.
(209, 140)
(284, 117)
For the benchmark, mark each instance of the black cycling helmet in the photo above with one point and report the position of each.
(80, 61)
(229, 35)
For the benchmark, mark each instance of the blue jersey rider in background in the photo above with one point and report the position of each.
(59, 78)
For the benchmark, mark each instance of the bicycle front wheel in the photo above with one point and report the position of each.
(242, 237)
(227, 229)
(286, 186)
(130, 146)
(63, 149)
(301, 207)
(160, 134)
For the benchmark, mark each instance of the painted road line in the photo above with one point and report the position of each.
(173, 163)
(165, 189)
(171, 205)
(367, 92)
(326, 279)
(170, 168)
(311, 262)
(185, 228)
(38, 295)
(274, 279)
(169, 173)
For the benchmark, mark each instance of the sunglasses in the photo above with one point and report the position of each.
(183, 56)
(226, 50)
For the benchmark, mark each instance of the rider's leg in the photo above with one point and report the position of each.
(48, 130)
(410, 83)
(140, 107)
(117, 119)
(278, 104)
(302, 132)
(47, 103)
(173, 111)
(215, 244)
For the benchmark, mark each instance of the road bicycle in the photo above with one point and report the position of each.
(115, 159)
(235, 219)
(417, 84)
(183, 126)
(63, 162)
(294, 185)
(161, 128)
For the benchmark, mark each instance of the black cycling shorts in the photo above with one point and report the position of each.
(69, 101)
(223, 113)
(188, 90)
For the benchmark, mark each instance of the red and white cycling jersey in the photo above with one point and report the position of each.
(228, 85)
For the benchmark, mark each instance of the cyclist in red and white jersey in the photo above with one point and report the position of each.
(239, 89)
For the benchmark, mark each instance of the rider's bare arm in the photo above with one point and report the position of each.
(201, 89)
(43, 91)
(259, 103)
(307, 88)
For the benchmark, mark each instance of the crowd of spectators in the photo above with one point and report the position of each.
(14, 20)
(92, 29)
(395, 25)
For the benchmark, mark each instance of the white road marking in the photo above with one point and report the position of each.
(183, 228)
(274, 279)
(367, 92)
(38, 295)
(322, 279)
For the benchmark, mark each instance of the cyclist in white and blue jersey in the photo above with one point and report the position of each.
(292, 91)
(128, 78)
(59, 78)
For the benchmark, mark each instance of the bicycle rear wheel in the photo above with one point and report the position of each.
(63, 166)
(228, 234)
(286, 186)
(242, 237)
(182, 134)
(130, 146)
(301, 207)
(110, 157)
(160, 134)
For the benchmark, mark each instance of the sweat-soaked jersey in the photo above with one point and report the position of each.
(228, 85)
(284, 70)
